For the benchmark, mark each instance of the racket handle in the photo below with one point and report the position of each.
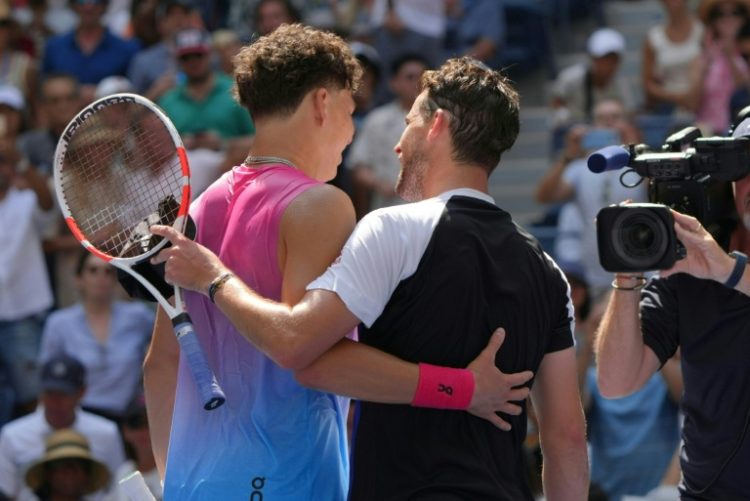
(208, 388)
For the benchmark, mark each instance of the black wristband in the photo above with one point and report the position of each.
(216, 285)
(740, 261)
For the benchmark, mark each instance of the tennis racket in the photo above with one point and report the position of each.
(120, 167)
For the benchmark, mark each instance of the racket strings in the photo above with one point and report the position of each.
(120, 174)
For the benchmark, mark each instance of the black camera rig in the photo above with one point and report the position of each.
(691, 174)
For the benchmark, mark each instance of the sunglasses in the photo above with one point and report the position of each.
(191, 56)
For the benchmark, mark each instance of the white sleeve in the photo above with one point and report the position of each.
(385, 248)
(8, 469)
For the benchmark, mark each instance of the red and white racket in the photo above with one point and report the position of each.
(119, 168)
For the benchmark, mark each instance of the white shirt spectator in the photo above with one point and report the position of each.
(22, 442)
(24, 286)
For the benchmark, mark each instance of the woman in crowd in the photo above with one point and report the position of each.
(108, 336)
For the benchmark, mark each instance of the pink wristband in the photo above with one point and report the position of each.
(443, 388)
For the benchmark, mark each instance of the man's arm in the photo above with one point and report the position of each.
(553, 187)
(562, 432)
(365, 373)
(160, 381)
(623, 361)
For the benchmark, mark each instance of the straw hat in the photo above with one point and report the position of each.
(705, 7)
(68, 444)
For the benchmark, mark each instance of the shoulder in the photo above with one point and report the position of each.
(572, 73)
(223, 81)
(57, 41)
(64, 314)
(171, 97)
(406, 219)
(134, 309)
(656, 36)
(23, 426)
(321, 203)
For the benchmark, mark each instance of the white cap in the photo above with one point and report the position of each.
(112, 85)
(605, 41)
(12, 97)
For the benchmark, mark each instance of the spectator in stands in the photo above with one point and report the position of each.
(669, 51)
(17, 68)
(154, 71)
(375, 166)
(569, 180)
(270, 14)
(90, 52)
(741, 95)
(107, 336)
(364, 101)
(476, 28)
(23, 441)
(407, 27)
(68, 470)
(35, 26)
(25, 293)
(579, 88)
(135, 432)
(720, 69)
(216, 130)
(59, 100)
(226, 44)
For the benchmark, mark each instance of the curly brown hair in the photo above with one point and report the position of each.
(483, 105)
(273, 74)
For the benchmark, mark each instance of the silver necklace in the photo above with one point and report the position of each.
(252, 160)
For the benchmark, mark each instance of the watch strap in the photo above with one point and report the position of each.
(740, 261)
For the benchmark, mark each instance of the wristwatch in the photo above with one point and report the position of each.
(740, 261)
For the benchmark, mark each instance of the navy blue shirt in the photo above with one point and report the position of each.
(111, 57)
(711, 325)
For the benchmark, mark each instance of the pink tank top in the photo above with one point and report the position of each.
(271, 432)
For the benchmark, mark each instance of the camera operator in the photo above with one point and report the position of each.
(700, 305)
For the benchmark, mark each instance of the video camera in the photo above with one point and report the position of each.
(691, 174)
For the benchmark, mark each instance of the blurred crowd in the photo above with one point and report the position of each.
(73, 344)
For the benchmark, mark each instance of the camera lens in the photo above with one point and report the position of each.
(640, 238)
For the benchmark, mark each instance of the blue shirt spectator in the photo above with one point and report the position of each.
(478, 31)
(110, 57)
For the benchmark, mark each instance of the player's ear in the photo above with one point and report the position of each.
(440, 124)
(320, 100)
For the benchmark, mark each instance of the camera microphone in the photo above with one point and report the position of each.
(608, 158)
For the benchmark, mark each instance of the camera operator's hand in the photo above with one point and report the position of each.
(704, 258)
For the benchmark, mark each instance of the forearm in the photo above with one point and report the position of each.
(293, 337)
(565, 473)
(548, 187)
(160, 382)
(362, 372)
(39, 184)
(619, 344)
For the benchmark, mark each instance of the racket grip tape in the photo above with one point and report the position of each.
(210, 392)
